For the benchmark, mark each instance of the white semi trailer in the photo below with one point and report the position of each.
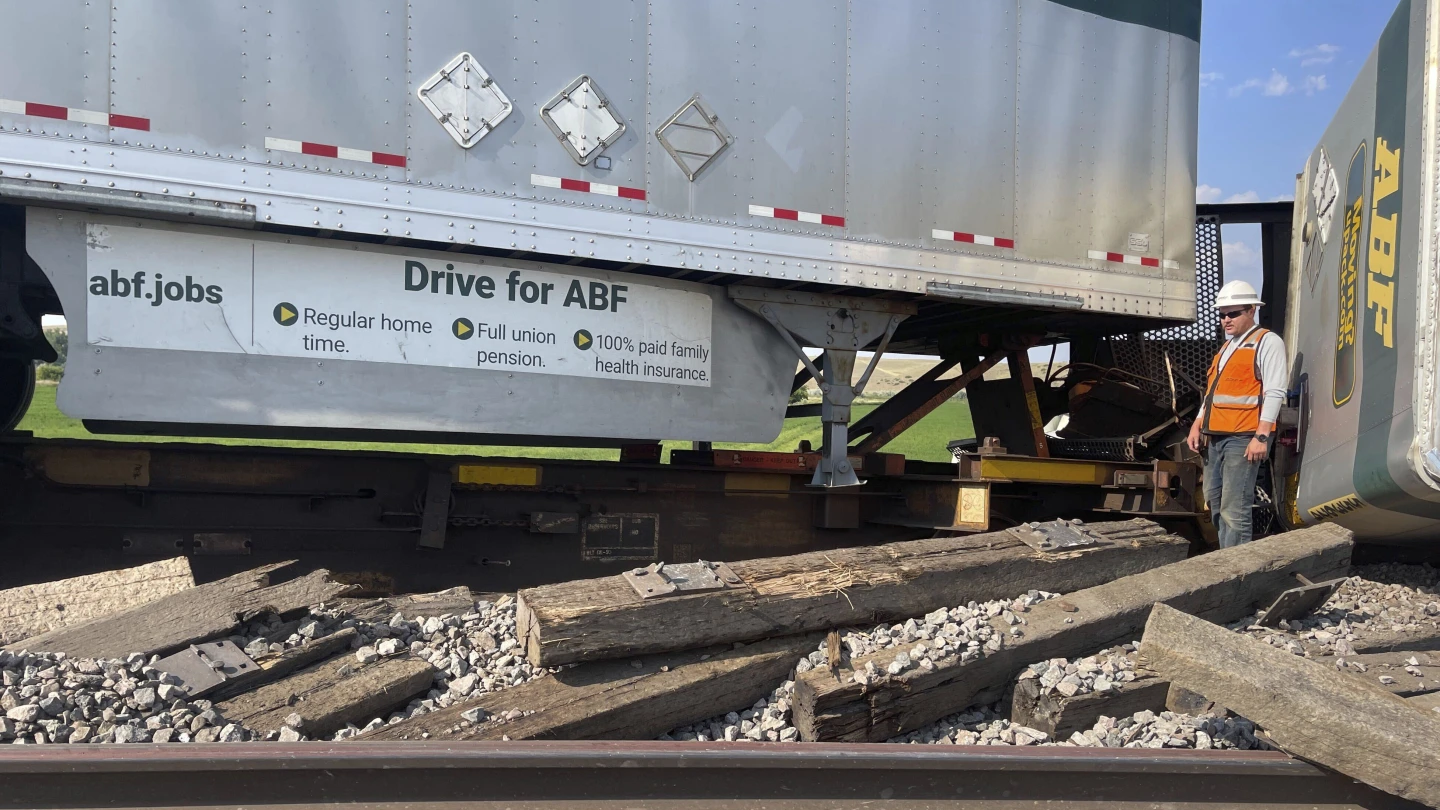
(1364, 296)
(574, 222)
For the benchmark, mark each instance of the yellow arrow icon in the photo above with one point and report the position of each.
(462, 328)
(285, 313)
(583, 339)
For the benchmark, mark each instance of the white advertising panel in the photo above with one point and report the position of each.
(161, 289)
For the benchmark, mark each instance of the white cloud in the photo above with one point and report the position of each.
(1322, 54)
(1212, 194)
(1314, 84)
(1277, 85)
(1207, 79)
(1248, 84)
(1241, 260)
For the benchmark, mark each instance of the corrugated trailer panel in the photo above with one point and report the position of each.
(328, 73)
(921, 76)
(178, 82)
(1037, 153)
(1091, 160)
(856, 132)
(775, 76)
(65, 61)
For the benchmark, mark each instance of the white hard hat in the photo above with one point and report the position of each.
(1237, 294)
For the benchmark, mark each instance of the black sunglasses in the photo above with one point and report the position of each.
(1224, 316)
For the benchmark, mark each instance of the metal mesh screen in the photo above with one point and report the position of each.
(1190, 347)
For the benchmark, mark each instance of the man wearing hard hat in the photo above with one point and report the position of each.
(1243, 394)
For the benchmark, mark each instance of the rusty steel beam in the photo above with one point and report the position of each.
(1020, 370)
(897, 415)
(902, 401)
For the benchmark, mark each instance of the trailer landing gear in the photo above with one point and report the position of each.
(840, 326)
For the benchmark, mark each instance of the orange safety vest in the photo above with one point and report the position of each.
(1234, 393)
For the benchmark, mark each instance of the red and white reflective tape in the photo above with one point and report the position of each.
(341, 152)
(72, 114)
(1125, 258)
(957, 236)
(798, 216)
(588, 187)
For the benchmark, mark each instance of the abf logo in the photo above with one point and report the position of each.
(189, 290)
(1384, 230)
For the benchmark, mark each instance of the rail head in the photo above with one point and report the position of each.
(605, 755)
(654, 774)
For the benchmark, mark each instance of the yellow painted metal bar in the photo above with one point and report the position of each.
(498, 474)
(1044, 470)
(93, 466)
(769, 482)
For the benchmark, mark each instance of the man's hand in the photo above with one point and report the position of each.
(1196, 439)
(1256, 450)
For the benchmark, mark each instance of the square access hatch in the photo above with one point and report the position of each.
(582, 118)
(465, 100)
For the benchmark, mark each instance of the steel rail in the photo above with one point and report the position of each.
(521, 775)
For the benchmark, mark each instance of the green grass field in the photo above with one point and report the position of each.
(926, 440)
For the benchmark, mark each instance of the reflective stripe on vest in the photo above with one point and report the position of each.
(1234, 392)
(1226, 399)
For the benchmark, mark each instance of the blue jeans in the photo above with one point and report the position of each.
(1230, 487)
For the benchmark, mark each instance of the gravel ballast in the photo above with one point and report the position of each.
(55, 699)
(1378, 598)
(52, 698)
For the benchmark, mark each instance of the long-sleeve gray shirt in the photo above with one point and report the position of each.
(1274, 372)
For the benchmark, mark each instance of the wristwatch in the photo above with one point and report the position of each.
(1263, 439)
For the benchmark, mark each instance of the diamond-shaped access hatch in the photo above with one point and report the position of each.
(582, 118)
(465, 100)
(693, 136)
(1325, 191)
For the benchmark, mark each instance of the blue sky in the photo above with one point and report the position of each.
(1273, 73)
